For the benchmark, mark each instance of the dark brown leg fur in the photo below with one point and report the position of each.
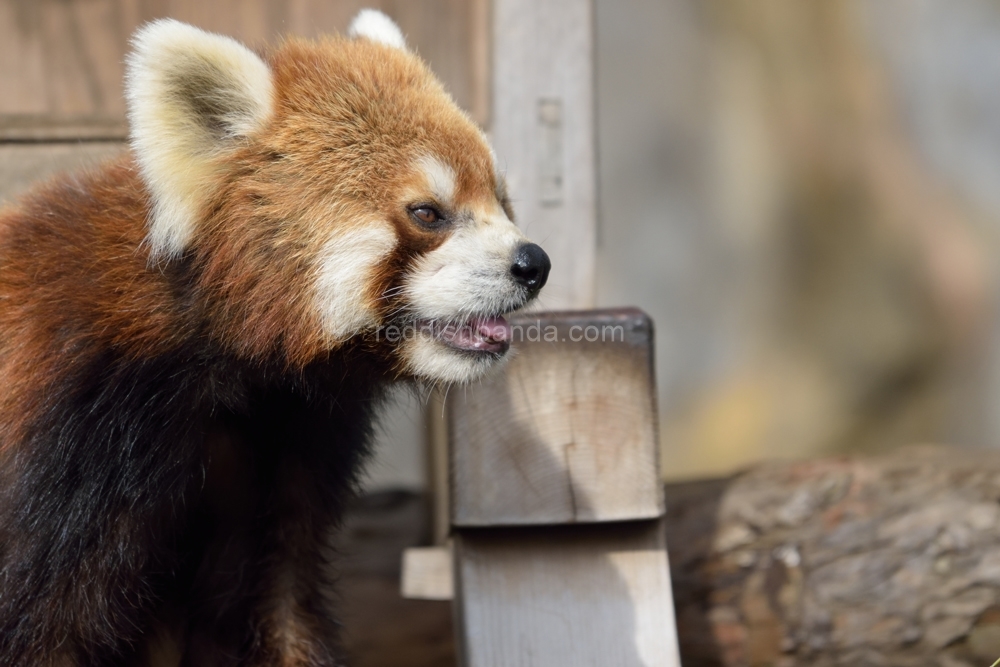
(134, 533)
(260, 594)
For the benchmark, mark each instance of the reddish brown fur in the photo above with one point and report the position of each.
(77, 285)
(298, 173)
(72, 279)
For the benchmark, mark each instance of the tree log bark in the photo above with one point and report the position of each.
(862, 562)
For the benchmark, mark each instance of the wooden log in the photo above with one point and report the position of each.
(566, 596)
(889, 561)
(567, 434)
(885, 561)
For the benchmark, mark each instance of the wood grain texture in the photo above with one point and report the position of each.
(31, 129)
(567, 433)
(543, 55)
(891, 560)
(61, 60)
(573, 596)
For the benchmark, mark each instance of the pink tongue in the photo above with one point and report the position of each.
(494, 329)
(490, 334)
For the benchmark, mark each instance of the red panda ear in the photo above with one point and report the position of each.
(190, 94)
(373, 25)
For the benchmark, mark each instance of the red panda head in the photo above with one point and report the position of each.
(330, 194)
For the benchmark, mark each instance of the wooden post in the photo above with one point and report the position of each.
(580, 596)
(556, 501)
(544, 133)
(533, 88)
(567, 434)
(560, 557)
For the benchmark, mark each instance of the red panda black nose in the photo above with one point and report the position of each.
(531, 267)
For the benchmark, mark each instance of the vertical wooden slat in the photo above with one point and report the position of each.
(103, 33)
(246, 20)
(480, 28)
(309, 18)
(22, 66)
(438, 463)
(560, 595)
(543, 58)
(578, 596)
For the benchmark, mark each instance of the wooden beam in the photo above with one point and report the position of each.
(560, 557)
(544, 133)
(479, 36)
(567, 434)
(568, 596)
(41, 129)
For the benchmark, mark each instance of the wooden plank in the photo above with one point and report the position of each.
(62, 61)
(480, 42)
(438, 466)
(36, 129)
(567, 433)
(58, 58)
(22, 165)
(572, 596)
(427, 573)
(544, 133)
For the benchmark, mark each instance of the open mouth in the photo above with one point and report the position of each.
(480, 335)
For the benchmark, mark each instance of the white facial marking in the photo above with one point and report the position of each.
(346, 271)
(428, 358)
(171, 65)
(376, 26)
(440, 179)
(469, 273)
(466, 276)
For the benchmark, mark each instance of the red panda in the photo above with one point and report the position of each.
(194, 339)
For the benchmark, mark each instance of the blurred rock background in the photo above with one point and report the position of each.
(804, 195)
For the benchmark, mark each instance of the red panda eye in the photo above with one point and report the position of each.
(427, 215)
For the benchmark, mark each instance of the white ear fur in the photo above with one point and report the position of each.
(189, 94)
(376, 26)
